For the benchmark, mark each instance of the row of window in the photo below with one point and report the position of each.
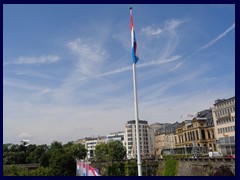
(145, 147)
(226, 103)
(227, 140)
(226, 129)
(226, 120)
(131, 143)
(91, 143)
(140, 126)
(145, 152)
(225, 111)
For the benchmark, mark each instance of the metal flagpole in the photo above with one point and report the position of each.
(135, 59)
(136, 120)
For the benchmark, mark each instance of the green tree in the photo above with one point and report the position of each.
(62, 164)
(14, 170)
(41, 171)
(56, 159)
(35, 155)
(63, 158)
(79, 151)
(101, 152)
(116, 151)
(171, 167)
(112, 151)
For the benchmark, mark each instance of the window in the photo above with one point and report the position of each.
(226, 140)
(229, 129)
(221, 140)
(232, 139)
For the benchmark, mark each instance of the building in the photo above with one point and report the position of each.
(152, 131)
(144, 139)
(90, 144)
(170, 132)
(224, 121)
(165, 138)
(197, 134)
(116, 136)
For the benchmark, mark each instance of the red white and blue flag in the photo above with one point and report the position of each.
(135, 57)
(84, 169)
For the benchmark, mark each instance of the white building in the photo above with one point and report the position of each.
(116, 136)
(144, 139)
(90, 144)
(224, 122)
(153, 129)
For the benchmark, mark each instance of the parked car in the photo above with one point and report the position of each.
(229, 156)
(215, 154)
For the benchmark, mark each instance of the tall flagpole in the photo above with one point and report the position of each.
(135, 59)
(137, 119)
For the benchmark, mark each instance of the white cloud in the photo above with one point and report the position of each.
(176, 67)
(152, 63)
(36, 74)
(24, 135)
(45, 59)
(172, 24)
(90, 55)
(22, 85)
(151, 30)
(140, 65)
(169, 25)
(210, 43)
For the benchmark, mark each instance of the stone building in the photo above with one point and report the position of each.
(197, 133)
(224, 121)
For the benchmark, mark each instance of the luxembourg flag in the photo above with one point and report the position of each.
(133, 40)
(84, 169)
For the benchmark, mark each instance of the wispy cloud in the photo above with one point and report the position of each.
(175, 67)
(90, 55)
(207, 45)
(210, 43)
(37, 75)
(45, 59)
(169, 25)
(151, 30)
(172, 24)
(24, 135)
(152, 63)
(129, 68)
(25, 86)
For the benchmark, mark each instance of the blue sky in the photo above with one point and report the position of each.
(67, 69)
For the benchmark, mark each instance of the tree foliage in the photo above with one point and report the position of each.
(112, 151)
(116, 151)
(54, 160)
(101, 152)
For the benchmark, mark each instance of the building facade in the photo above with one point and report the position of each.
(90, 144)
(116, 136)
(165, 138)
(224, 121)
(144, 139)
(153, 129)
(197, 134)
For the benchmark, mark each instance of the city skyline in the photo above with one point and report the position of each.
(67, 69)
